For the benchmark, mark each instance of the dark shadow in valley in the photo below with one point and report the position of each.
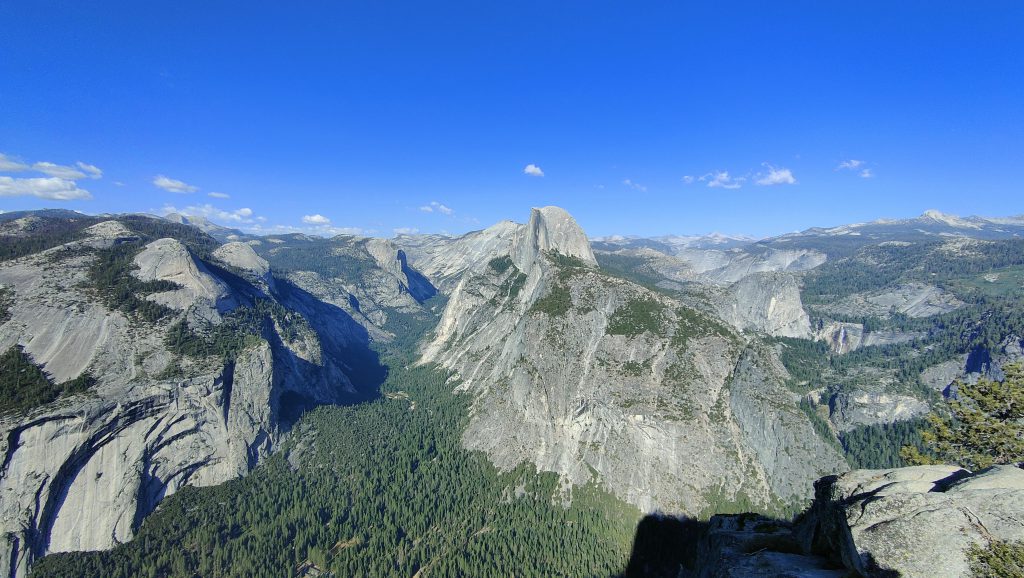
(727, 545)
(346, 348)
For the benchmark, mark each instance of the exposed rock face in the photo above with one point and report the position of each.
(849, 410)
(82, 472)
(242, 256)
(911, 299)
(551, 229)
(919, 522)
(169, 260)
(675, 414)
(369, 279)
(766, 302)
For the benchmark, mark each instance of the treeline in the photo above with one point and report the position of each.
(24, 385)
(878, 446)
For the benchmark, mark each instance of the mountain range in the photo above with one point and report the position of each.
(695, 375)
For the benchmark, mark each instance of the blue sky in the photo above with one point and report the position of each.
(644, 117)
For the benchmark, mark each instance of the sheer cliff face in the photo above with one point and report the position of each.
(592, 376)
(82, 472)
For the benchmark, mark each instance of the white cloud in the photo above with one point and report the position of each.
(688, 179)
(173, 185)
(406, 231)
(776, 176)
(59, 171)
(436, 206)
(219, 195)
(322, 230)
(93, 171)
(243, 215)
(850, 165)
(11, 164)
(867, 174)
(635, 186)
(722, 180)
(317, 219)
(52, 188)
(533, 170)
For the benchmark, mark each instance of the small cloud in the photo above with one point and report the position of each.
(52, 188)
(173, 185)
(850, 165)
(406, 231)
(867, 174)
(436, 206)
(688, 180)
(119, 183)
(59, 171)
(316, 220)
(635, 186)
(722, 180)
(11, 164)
(93, 171)
(243, 215)
(776, 176)
(219, 195)
(533, 170)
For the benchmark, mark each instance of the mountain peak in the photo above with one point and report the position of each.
(947, 219)
(552, 229)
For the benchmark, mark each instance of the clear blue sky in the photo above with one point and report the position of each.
(364, 113)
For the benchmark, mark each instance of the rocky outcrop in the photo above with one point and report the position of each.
(169, 260)
(551, 229)
(848, 410)
(911, 299)
(919, 522)
(588, 375)
(768, 303)
(242, 257)
(82, 472)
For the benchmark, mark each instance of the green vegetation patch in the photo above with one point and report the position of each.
(692, 324)
(997, 559)
(878, 446)
(500, 264)
(6, 301)
(24, 385)
(556, 303)
(240, 329)
(636, 317)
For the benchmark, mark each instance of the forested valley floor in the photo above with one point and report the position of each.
(382, 488)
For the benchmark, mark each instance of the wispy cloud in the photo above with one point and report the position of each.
(243, 215)
(59, 171)
(722, 180)
(11, 164)
(320, 230)
(867, 174)
(635, 186)
(92, 171)
(776, 176)
(405, 231)
(173, 185)
(688, 180)
(218, 195)
(52, 188)
(533, 170)
(438, 207)
(316, 219)
(850, 165)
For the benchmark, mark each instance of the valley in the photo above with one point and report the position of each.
(185, 399)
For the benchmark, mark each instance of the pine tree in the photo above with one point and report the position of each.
(986, 426)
